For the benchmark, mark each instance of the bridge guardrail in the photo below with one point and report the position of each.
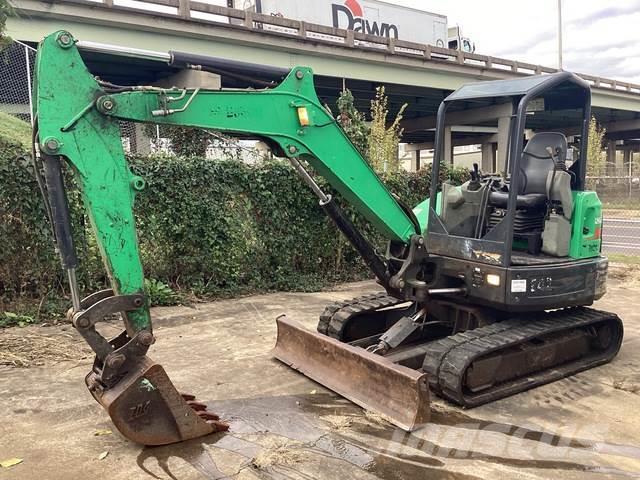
(197, 11)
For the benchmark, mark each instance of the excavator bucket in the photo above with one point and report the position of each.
(147, 409)
(399, 394)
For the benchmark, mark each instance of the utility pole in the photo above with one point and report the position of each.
(560, 62)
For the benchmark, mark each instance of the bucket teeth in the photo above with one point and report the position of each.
(202, 412)
(218, 426)
(198, 407)
(208, 416)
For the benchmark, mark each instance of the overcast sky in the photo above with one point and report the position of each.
(600, 37)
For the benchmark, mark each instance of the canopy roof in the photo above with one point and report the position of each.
(539, 84)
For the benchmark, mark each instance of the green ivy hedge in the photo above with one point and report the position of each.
(207, 227)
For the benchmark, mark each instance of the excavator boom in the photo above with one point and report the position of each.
(77, 124)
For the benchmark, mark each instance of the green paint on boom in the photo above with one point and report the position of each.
(73, 109)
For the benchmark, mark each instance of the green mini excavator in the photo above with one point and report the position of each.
(486, 285)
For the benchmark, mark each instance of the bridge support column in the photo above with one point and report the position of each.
(488, 157)
(416, 161)
(611, 158)
(448, 146)
(628, 156)
(192, 79)
(504, 124)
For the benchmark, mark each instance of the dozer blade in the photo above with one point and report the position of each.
(399, 394)
(147, 409)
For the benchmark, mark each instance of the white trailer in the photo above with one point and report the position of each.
(367, 16)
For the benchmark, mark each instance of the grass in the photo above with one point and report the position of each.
(14, 129)
(626, 204)
(10, 319)
(624, 259)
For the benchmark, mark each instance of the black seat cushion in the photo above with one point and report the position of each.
(535, 165)
(536, 162)
(529, 202)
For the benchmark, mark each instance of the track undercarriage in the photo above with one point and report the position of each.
(469, 355)
(474, 356)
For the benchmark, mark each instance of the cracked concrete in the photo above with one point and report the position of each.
(284, 426)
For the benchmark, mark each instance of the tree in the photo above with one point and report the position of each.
(596, 157)
(384, 140)
(353, 122)
(6, 10)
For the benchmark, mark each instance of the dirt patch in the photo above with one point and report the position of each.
(37, 346)
(279, 452)
(629, 274)
(377, 419)
(630, 384)
(338, 423)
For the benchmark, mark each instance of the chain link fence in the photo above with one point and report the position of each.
(16, 74)
(618, 186)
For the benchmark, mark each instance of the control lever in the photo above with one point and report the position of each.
(474, 184)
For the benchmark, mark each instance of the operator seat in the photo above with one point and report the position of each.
(535, 166)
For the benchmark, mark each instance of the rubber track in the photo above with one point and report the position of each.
(448, 359)
(336, 315)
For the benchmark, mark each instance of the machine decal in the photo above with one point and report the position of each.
(518, 286)
(353, 13)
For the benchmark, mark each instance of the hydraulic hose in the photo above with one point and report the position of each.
(361, 244)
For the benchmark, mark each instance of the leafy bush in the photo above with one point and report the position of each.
(6, 10)
(10, 319)
(207, 227)
(596, 156)
(352, 121)
(384, 138)
(160, 294)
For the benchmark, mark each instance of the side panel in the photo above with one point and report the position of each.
(421, 211)
(586, 238)
(548, 287)
(530, 288)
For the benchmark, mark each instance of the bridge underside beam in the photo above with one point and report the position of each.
(128, 26)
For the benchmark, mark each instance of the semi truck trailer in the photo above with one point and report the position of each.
(372, 17)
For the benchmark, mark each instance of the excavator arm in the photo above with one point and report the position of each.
(78, 119)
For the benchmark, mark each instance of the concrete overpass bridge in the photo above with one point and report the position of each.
(416, 74)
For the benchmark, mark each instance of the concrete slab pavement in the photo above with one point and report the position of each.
(284, 426)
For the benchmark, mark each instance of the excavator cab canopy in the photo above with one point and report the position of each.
(496, 214)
